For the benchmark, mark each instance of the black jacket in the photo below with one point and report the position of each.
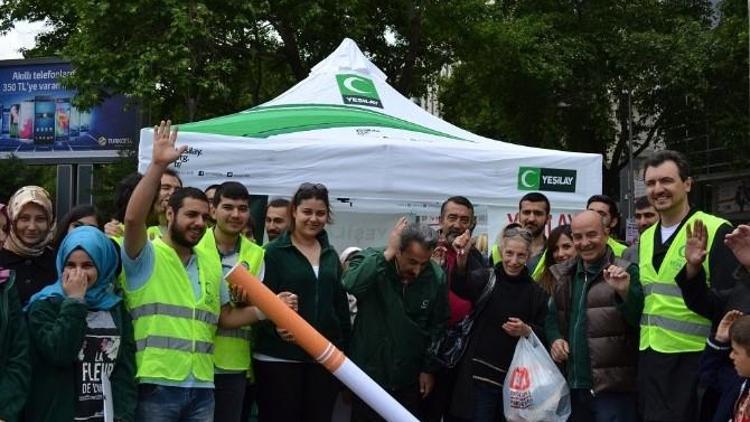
(33, 273)
(490, 349)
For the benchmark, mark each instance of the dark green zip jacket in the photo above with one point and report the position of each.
(322, 301)
(15, 364)
(57, 328)
(396, 322)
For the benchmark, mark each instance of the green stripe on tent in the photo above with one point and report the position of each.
(262, 122)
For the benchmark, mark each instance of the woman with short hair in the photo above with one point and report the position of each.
(513, 305)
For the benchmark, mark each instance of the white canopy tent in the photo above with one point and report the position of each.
(376, 151)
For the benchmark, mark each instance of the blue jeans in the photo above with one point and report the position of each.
(603, 407)
(488, 402)
(159, 403)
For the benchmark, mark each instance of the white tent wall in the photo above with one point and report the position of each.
(382, 157)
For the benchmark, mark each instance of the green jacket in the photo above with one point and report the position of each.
(15, 365)
(321, 301)
(396, 322)
(57, 329)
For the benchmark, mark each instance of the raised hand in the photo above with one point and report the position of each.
(438, 254)
(74, 283)
(722, 331)
(460, 245)
(164, 150)
(394, 239)
(739, 242)
(696, 244)
(114, 228)
(618, 279)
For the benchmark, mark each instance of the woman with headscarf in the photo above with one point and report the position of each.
(27, 250)
(82, 337)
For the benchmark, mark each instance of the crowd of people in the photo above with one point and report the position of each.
(130, 319)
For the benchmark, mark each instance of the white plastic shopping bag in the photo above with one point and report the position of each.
(534, 389)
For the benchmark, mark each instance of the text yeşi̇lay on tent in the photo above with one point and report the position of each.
(345, 127)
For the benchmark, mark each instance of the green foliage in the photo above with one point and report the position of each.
(16, 173)
(107, 178)
(557, 74)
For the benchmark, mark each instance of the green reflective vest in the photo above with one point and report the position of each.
(153, 232)
(232, 347)
(174, 332)
(667, 325)
(538, 270)
(617, 247)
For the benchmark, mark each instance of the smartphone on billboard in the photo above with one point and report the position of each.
(5, 129)
(75, 122)
(62, 119)
(26, 121)
(44, 120)
(14, 117)
(85, 121)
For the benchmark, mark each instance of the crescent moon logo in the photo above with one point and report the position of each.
(525, 182)
(349, 84)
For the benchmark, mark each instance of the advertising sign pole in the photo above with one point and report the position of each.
(64, 199)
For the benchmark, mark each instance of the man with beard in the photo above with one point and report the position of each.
(645, 217)
(172, 291)
(277, 218)
(673, 333)
(534, 213)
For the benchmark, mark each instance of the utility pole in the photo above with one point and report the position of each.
(631, 171)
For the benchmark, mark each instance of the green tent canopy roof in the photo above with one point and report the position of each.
(262, 122)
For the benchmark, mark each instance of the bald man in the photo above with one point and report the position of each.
(592, 325)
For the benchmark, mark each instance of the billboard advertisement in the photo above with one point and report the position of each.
(39, 120)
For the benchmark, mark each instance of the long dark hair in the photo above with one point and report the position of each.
(74, 214)
(547, 281)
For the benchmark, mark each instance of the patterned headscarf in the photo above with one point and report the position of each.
(24, 196)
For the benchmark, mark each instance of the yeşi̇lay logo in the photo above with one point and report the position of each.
(358, 90)
(553, 180)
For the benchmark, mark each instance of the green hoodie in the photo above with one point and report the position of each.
(15, 365)
(396, 322)
(57, 328)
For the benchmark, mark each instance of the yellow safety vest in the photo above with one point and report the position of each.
(153, 232)
(174, 332)
(667, 325)
(617, 247)
(538, 269)
(232, 347)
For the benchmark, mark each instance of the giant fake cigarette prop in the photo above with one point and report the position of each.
(317, 346)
